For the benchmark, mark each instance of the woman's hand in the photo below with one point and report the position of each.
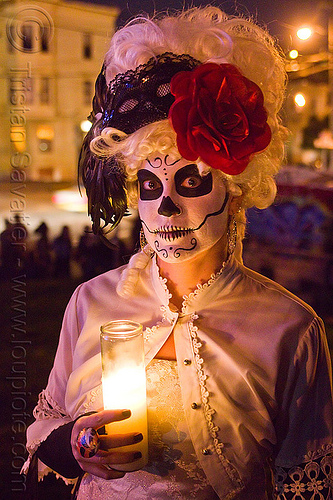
(101, 464)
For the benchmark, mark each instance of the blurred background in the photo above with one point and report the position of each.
(51, 52)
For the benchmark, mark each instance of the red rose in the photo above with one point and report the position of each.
(219, 116)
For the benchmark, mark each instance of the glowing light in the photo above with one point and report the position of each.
(304, 33)
(85, 125)
(18, 138)
(70, 200)
(45, 132)
(293, 54)
(324, 140)
(124, 382)
(300, 100)
(293, 65)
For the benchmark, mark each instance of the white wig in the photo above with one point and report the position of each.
(208, 35)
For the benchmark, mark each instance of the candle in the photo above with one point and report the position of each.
(124, 383)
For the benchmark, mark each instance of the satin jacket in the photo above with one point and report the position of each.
(253, 365)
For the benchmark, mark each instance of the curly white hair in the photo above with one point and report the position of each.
(209, 35)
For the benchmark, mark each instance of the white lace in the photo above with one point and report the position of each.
(200, 288)
(47, 407)
(163, 282)
(314, 477)
(173, 471)
(148, 332)
(208, 410)
(94, 394)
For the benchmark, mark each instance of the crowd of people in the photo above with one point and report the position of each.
(41, 256)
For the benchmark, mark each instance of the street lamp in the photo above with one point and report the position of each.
(85, 126)
(300, 100)
(304, 33)
(293, 54)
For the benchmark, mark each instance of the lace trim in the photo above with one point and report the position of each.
(324, 450)
(33, 446)
(47, 407)
(45, 471)
(200, 287)
(26, 465)
(208, 410)
(148, 332)
(142, 95)
(315, 477)
(94, 394)
(164, 285)
(143, 70)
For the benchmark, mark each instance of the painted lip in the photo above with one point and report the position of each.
(170, 233)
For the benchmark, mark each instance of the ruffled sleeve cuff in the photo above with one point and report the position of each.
(308, 480)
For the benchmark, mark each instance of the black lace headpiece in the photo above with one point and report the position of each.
(130, 101)
(142, 96)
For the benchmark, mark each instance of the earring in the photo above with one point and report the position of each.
(144, 245)
(143, 241)
(232, 235)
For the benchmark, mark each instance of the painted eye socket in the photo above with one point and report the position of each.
(191, 182)
(150, 185)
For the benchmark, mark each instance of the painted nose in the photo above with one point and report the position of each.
(168, 208)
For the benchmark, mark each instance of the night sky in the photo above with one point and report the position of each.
(281, 17)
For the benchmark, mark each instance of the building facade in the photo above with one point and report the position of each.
(51, 52)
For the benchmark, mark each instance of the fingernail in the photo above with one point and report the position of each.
(137, 437)
(126, 413)
(137, 455)
(101, 431)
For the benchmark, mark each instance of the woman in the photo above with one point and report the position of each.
(238, 373)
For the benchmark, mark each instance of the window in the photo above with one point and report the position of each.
(46, 174)
(20, 90)
(44, 39)
(44, 91)
(87, 46)
(45, 135)
(29, 90)
(87, 92)
(27, 37)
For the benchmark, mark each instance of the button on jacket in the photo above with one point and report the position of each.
(253, 365)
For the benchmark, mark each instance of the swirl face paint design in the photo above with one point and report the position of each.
(182, 212)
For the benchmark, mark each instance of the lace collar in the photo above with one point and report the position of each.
(203, 292)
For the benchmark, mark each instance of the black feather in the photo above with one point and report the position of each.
(103, 178)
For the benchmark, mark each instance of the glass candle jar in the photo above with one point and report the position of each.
(124, 383)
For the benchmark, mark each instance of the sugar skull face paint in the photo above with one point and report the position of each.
(182, 213)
